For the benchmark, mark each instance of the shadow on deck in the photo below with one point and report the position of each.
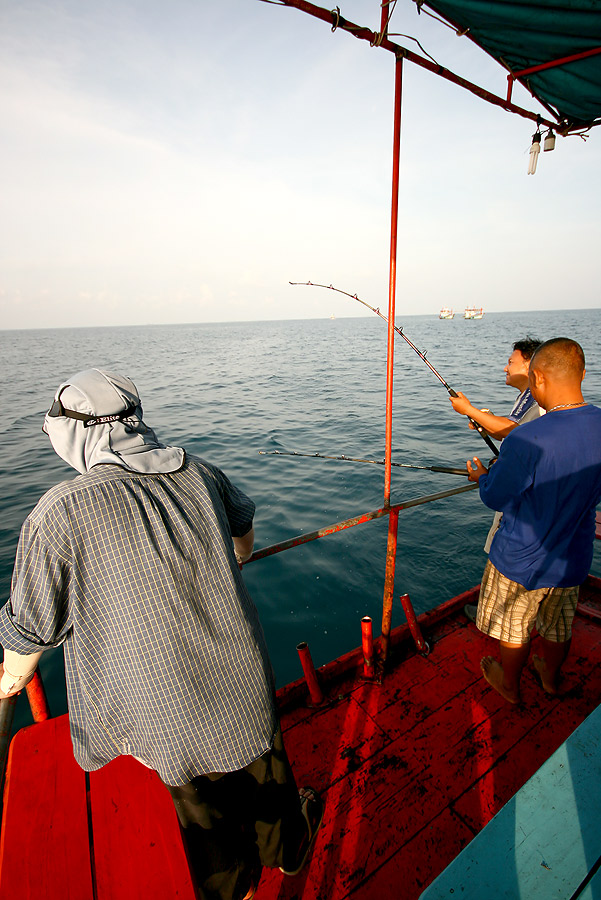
(412, 769)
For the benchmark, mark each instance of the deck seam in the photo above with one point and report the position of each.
(91, 836)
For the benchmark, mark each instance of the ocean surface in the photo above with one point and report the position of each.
(226, 391)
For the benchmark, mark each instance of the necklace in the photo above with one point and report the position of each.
(566, 405)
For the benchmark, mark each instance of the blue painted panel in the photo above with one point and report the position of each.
(593, 889)
(545, 840)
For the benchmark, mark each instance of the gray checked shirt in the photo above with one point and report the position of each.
(165, 657)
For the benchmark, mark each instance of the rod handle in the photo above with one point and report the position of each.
(449, 471)
(486, 439)
(478, 428)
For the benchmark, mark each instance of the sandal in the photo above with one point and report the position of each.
(312, 810)
(255, 877)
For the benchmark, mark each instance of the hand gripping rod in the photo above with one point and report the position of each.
(421, 355)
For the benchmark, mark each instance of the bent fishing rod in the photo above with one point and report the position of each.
(420, 353)
(377, 462)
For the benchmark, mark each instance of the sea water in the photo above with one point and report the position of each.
(226, 391)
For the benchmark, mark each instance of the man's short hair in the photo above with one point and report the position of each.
(528, 346)
(563, 356)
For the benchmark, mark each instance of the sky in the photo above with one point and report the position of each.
(184, 161)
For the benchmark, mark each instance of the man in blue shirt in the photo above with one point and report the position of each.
(547, 483)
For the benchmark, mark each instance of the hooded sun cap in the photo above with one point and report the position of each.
(96, 418)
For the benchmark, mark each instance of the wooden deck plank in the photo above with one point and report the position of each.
(555, 721)
(407, 872)
(442, 754)
(138, 849)
(410, 770)
(545, 839)
(44, 849)
(337, 739)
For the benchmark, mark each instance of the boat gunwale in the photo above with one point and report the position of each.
(332, 674)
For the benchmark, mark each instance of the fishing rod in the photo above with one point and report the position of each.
(420, 353)
(377, 462)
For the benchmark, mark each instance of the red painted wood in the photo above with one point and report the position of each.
(138, 849)
(44, 849)
(398, 810)
(45, 845)
(598, 525)
(334, 743)
(407, 872)
(410, 770)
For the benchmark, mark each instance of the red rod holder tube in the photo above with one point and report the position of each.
(414, 628)
(367, 642)
(7, 712)
(37, 699)
(310, 673)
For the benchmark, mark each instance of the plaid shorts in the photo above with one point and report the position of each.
(508, 612)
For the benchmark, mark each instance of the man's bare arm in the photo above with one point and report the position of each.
(16, 672)
(496, 426)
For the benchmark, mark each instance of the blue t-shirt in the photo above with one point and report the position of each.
(547, 483)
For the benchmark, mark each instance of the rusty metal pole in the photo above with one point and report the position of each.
(393, 523)
(384, 19)
(393, 519)
(394, 218)
(7, 712)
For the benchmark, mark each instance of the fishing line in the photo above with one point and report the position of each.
(378, 462)
(420, 353)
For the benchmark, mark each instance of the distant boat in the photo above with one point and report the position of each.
(446, 313)
(473, 312)
(332, 316)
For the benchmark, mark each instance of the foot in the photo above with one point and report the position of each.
(312, 810)
(493, 672)
(548, 684)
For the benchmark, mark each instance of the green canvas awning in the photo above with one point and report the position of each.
(525, 35)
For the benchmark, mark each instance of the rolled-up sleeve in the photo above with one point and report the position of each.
(239, 508)
(36, 616)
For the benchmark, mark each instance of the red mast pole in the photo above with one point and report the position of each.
(384, 18)
(393, 519)
(394, 218)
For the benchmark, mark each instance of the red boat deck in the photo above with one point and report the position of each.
(410, 771)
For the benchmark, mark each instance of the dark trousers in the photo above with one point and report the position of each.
(235, 823)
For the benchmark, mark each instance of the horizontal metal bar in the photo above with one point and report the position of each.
(355, 520)
(554, 63)
(336, 21)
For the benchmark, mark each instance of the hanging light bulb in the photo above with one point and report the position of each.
(534, 151)
(549, 141)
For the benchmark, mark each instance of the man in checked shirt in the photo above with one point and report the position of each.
(134, 566)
